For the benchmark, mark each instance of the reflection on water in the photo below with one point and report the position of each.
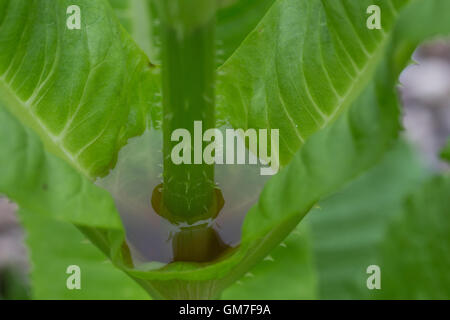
(152, 238)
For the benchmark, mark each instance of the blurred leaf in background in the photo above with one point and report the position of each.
(415, 254)
(349, 226)
(395, 217)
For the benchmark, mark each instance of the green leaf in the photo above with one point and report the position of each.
(85, 92)
(303, 64)
(415, 255)
(54, 246)
(348, 227)
(287, 273)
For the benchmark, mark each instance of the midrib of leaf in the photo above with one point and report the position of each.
(23, 111)
(359, 81)
(362, 75)
(343, 100)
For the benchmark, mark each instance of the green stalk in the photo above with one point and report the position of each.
(188, 58)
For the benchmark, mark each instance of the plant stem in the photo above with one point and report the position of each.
(188, 52)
